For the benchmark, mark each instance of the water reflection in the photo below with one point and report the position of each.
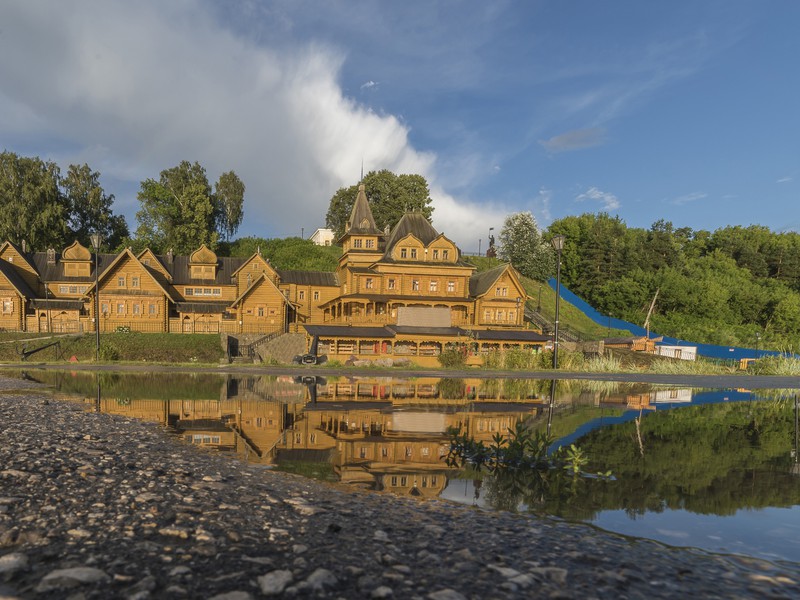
(674, 452)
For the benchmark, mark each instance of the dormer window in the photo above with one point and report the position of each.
(357, 243)
(413, 253)
(445, 254)
(370, 243)
(403, 253)
(435, 255)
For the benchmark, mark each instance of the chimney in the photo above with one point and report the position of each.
(169, 256)
(51, 256)
(24, 247)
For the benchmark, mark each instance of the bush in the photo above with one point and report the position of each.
(108, 352)
(453, 357)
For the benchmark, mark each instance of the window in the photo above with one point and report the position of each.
(384, 451)
(391, 284)
(104, 308)
(370, 243)
(121, 281)
(134, 282)
(369, 283)
(445, 254)
(426, 451)
(206, 291)
(260, 311)
(413, 253)
(434, 286)
(121, 308)
(435, 255)
(189, 292)
(512, 315)
(316, 295)
(152, 309)
(362, 452)
(501, 315)
(137, 309)
(312, 438)
(301, 295)
(415, 285)
(451, 286)
(8, 306)
(73, 289)
(487, 315)
(357, 243)
(403, 253)
(63, 289)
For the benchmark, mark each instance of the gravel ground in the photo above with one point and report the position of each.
(98, 506)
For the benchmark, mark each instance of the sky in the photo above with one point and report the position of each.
(685, 111)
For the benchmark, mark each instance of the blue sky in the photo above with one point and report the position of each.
(685, 111)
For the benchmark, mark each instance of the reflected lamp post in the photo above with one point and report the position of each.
(558, 245)
(96, 239)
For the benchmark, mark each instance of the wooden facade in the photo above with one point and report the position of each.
(406, 291)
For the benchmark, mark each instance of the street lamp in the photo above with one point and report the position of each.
(758, 340)
(558, 245)
(96, 239)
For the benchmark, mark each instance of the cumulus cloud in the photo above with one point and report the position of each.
(607, 199)
(134, 88)
(688, 198)
(576, 139)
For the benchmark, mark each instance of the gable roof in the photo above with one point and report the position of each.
(480, 283)
(257, 283)
(412, 223)
(17, 282)
(24, 255)
(128, 254)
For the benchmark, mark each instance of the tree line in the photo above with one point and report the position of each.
(178, 211)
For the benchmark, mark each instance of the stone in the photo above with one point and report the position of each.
(446, 594)
(274, 582)
(69, 578)
(321, 579)
(11, 563)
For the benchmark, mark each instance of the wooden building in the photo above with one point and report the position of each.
(399, 293)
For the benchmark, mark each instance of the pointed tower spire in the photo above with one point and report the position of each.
(361, 219)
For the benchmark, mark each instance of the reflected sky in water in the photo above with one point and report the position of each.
(713, 469)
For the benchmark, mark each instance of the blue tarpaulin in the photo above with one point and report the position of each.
(705, 350)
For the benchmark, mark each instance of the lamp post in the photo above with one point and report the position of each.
(758, 340)
(558, 245)
(96, 239)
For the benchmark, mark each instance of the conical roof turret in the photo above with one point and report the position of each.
(361, 220)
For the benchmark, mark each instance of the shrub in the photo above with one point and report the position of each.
(453, 357)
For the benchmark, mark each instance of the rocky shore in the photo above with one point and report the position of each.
(98, 506)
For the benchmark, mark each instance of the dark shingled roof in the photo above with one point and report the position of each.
(413, 223)
(480, 283)
(431, 331)
(180, 271)
(349, 331)
(57, 304)
(320, 278)
(510, 335)
(15, 279)
(202, 307)
(55, 271)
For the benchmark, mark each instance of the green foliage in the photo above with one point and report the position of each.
(291, 253)
(390, 196)
(90, 208)
(454, 356)
(33, 207)
(521, 244)
(108, 351)
(720, 288)
(180, 212)
(229, 193)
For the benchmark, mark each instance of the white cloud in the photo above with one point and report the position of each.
(134, 88)
(784, 180)
(575, 140)
(687, 198)
(607, 199)
(369, 85)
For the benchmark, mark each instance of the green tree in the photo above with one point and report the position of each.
(390, 196)
(521, 244)
(178, 211)
(90, 208)
(33, 207)
(229, 192)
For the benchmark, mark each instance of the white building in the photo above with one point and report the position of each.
(322, 237)
(681, 352)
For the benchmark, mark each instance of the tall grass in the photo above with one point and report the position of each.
(775, 365)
